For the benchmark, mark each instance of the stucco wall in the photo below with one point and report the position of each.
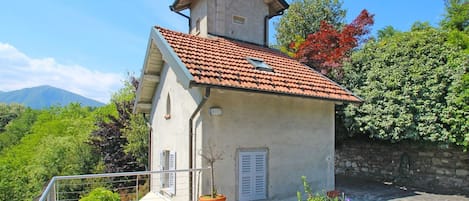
(297, 132)
(219, 18)
(199, 12)
(173, 133)
(254, 12)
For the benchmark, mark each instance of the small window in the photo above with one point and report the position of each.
(168, 180)
(259, 64)
(168, 108)
(238, 19)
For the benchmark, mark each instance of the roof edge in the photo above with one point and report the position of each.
(135, 108)
(170, 57)
(283, 2)
(174, 6)
(278, 94)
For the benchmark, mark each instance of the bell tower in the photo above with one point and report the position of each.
(245, 20)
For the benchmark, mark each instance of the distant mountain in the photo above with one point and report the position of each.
(45, 96)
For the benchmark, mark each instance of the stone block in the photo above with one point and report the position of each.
(354, 164)
(436, 161)
(348, 164)
(447, 154)
(460, 164)
(442, 171)
(462, 172)
(364, 169)
(428, 154)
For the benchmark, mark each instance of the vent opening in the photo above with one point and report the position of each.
(259, 64)
(238, 19)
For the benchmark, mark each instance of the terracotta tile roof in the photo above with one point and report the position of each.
(222, 62)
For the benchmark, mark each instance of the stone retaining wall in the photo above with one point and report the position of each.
(420, 165)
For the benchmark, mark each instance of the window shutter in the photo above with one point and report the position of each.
(163, 167)
(245, 176)
(252, 175)
(259, 176)
(172, 175)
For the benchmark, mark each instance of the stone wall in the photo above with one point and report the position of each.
(427, 166)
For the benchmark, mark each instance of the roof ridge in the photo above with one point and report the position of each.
(219, 38)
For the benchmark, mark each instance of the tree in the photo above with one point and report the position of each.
(18, 127)
(326, 49)
(387, 31)
(109, 140)
(122, 137)
(9, 112)
(456, 22)
(456, 16)
(137, 137)
(54, 145)
(304, 17)
(406, 81)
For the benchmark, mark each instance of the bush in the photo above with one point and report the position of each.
(310, 196)
(101, 194)
(413, 87)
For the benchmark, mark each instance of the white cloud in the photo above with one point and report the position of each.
(18, 71)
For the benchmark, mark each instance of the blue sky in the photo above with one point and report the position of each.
(88, 47)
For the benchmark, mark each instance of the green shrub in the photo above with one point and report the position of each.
(101, 194)
(310, 196)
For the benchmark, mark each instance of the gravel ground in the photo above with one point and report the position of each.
(358, 189)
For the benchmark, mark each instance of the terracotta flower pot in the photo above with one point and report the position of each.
(333, 194)
(219, 197)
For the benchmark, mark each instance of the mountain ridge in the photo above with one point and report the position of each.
(45, 96)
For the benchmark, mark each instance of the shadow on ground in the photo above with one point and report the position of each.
(359, 189)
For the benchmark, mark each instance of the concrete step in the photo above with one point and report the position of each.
(151, 196)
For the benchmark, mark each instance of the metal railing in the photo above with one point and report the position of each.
(130, 186)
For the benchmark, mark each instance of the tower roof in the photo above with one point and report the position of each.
(275, 6)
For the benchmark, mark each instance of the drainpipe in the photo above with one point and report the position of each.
(266, 25)
(191, 140)
(182, 14)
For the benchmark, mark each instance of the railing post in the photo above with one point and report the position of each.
(136, 191)
(56, 191)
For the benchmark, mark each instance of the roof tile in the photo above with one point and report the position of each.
(222, 62)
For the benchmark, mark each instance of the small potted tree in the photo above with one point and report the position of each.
(211, 157)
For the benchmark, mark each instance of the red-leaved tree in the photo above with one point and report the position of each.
(326, 49)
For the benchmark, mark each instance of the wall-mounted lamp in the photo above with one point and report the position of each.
(215, 111)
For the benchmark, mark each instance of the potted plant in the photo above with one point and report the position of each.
(211, 157)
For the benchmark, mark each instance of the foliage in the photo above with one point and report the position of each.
(456, 16)
(456, 22)
(17, 127)
(387, 31)
(304, 17)
(326, 49)
(407, 81)
(101, 194)
(109, 141)
(310, 196)
(9, 112)
(137, 137)
(121, 138)
(457, 113)
(55, 145)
